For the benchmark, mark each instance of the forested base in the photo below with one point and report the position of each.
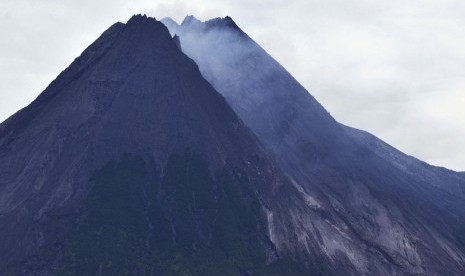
(185, 222)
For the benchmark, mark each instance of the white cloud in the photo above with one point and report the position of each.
(394, 68)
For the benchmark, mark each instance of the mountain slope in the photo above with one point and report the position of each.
(371, 208)
(131, 163)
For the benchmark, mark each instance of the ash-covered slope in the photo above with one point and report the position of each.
(130, 163)
(372, 209)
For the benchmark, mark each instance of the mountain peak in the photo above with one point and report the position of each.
(226, 21)
(214, 22)
(170, 24)
(146, 32)
(191, 23)
(169, 20)
(143, 20)
(190, 19)
(140, 18)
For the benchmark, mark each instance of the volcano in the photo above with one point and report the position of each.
(169, 149)
(131, 163)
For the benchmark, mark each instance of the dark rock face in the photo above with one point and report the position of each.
(131, 163)
(370, 209)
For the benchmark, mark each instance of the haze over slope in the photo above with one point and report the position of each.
(373, 197)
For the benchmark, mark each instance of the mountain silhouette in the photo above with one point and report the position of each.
(169, 149)
(130, 163)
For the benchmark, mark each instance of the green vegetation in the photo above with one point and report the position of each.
(184, 222)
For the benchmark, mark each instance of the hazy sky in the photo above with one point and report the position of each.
(394, 68)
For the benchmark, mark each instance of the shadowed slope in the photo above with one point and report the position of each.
(130, 162)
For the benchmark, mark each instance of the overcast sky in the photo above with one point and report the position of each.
(394, 68)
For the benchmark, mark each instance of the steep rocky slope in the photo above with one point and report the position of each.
(373, 209)
(130, 163)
